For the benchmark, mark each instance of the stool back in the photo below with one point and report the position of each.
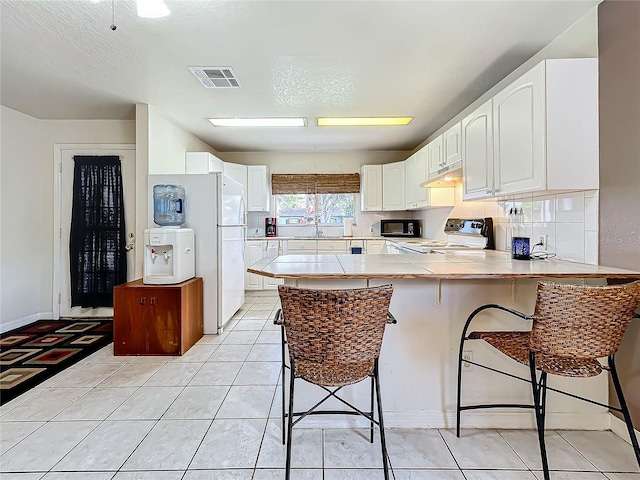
(582, 321)
(335, 326)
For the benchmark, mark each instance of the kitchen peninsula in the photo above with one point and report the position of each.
(433, 295)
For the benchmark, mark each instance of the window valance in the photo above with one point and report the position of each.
(315, 183)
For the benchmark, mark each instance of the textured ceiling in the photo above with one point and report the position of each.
(427, 59)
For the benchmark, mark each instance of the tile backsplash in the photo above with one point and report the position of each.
(569, 221)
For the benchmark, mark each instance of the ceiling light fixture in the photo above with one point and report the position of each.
(258, 122)
(362, 121)
(152, 9)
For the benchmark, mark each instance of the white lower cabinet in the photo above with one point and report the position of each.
(375, 246)
(299, 247)
(332, 246)
(255, 251)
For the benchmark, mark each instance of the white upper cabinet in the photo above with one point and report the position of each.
(477, 153)
(518, 134)
(258, 188)
(237, 172)
(371, 188)
(422, 175)
(452, 148)
(434, 156)
(410, 181)
(393, 183)
(415, 174)
(544, 133)
(202, 162)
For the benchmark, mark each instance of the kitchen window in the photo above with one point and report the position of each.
(315, 199)
(320, 208)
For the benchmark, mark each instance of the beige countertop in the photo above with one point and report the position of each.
(476, 264)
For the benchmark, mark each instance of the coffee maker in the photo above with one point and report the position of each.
(270, 227)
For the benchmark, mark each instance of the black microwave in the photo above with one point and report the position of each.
(399, 228)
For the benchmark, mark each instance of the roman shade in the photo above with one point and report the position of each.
(315, 183)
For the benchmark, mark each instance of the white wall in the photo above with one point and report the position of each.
(26, 247)
(26, 278)
(168, 143)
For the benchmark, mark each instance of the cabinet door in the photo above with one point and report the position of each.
(422, 175)
(332, 246)
(252, 253)
(376, 246)
(371, 188)
(518, 110)
(477, 153)
(129, 321)
(271, 249)
(410, 181)
(452, 147)
(258, 188)
(393, 186)
(434, 155)
(163, 315)
(238, 173)
(302, 247)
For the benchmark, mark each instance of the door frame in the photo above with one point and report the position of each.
(57, 210)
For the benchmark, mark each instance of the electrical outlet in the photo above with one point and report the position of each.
(370, 229)
(542, 241)
(467, 356)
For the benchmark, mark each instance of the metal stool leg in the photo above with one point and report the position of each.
(539, 400)
(282, 374)
(458, 392)
(624, 408)
(290, 424)
(371, 413)
(383, 443)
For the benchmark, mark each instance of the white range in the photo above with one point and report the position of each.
(462, 234)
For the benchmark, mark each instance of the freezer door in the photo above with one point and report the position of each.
(230, 271)
(232, 204)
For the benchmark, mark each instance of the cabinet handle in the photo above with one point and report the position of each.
(142, 299)
(489, 190)
(152, 301)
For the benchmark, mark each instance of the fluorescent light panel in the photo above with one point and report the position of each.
(258, 122)
(152, 9)
(362, 121)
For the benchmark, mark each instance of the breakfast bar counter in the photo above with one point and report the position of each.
(433, 296)
(458, 264)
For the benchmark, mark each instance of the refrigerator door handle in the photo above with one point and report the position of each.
(244, 240)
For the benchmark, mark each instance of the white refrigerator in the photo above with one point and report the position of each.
(215, 209)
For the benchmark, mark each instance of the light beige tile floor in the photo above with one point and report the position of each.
(214, 414)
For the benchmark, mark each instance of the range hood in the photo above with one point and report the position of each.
(449, 179)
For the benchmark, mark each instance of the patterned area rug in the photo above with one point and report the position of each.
(35, 352)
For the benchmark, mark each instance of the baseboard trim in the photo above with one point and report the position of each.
(21, 322)
(618, 427)
(470, 420)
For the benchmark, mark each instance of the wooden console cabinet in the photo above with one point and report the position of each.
(157, 319)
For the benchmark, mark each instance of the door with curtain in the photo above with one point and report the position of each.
(97, 228)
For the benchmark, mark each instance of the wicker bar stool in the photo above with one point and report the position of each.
(334, 339)
(573, 326)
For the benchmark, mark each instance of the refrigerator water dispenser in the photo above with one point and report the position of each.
(169, 256)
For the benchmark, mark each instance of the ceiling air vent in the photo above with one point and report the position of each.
(216, 77)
